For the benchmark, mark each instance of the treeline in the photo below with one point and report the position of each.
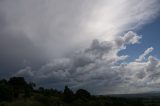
(15, 87)
(17, 92)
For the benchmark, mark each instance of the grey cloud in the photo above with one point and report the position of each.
(144, 75)
(95, 65)
(59, 26)
(27, 71)
(18, 52)
(33, 33)
(98, 69)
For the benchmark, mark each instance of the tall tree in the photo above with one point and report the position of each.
(68, 95)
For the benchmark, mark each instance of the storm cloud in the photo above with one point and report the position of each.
(100, 69)
(77, 43)
(60, 26)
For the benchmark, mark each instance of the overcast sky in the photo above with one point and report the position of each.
(104, 46)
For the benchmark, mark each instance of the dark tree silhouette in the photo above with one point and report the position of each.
(68, 95)
(20, 86)
(5, 91)
(81, 93)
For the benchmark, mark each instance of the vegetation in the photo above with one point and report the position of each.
(17, 92)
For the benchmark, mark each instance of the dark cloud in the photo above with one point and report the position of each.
(48, 42)
(17, 51)
(95, 68)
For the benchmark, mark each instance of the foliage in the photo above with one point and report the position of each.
(18, 92)
(81, 93)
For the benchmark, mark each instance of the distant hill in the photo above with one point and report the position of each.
(153, 94)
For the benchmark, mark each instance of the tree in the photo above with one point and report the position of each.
(81, 93)
(68, 95)
(5, 91)
(17, 82)
(20, 86)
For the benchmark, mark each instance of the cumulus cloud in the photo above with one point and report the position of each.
(100, 69)
(146, 52)
(59, 32)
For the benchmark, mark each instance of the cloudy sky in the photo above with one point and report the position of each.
(104, 46)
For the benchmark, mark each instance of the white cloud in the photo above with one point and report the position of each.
(101, 70)
(146, 52)
(60, 26)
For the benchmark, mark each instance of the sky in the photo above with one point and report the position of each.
(103, 46)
